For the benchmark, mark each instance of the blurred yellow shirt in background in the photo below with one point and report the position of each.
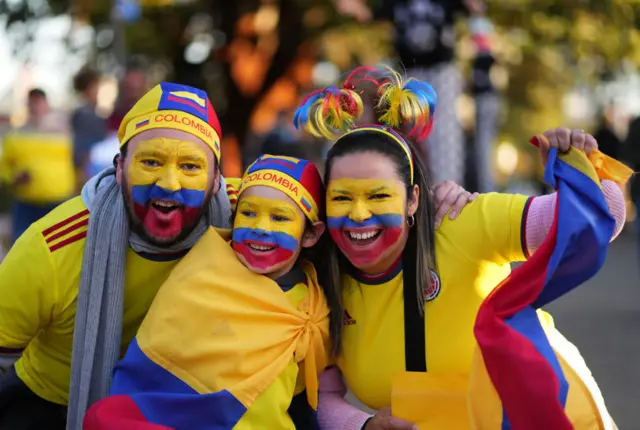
(48, 160)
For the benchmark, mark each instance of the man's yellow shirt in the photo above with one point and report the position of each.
(473, 254)
(39, 281)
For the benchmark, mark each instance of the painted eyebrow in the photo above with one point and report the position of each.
(377, 190)
(191, 157)
(284, 210)
(248, 205)
(150, 153)
(340, 191)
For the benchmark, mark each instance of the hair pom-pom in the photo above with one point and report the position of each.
(326, 113)
(405, 103)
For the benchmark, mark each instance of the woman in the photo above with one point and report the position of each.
(394, 264)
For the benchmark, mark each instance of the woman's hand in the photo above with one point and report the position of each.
(449, 195)
(563, 139)
(384, 421)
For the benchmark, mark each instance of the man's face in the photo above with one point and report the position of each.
(38, 107)
(135, 84)
(168, 178)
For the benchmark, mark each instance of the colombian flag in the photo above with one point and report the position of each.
(531, 380)
(221, 348)
(525, 375)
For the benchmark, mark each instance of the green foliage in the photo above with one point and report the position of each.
(549, 46)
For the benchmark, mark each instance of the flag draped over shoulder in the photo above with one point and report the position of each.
(216, 337)
(531, 381)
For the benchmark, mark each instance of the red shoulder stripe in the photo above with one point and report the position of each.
(64, 222)
(68, 230)
(68, 241)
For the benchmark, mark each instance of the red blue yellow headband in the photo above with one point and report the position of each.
(299, 179)
(177, 107)
(332, 113)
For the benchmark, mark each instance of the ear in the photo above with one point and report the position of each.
(311, 235)
(119, 168)
(216, 180)
(413, 200)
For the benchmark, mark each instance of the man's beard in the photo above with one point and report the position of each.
(136, 225)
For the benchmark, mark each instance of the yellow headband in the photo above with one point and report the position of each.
(174, 120)
(393, 136)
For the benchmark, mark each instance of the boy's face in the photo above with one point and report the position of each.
(268, 231)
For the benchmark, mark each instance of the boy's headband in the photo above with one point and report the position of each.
(299, 179)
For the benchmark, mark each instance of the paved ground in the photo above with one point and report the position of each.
(602, 318)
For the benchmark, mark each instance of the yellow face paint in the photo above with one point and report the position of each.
(360, 199)
(168, 180)
(170, 164)
(365, 217)
(267, 232)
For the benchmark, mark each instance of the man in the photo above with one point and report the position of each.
(425, 43)
(36, 164)
(132, 87)
(87, 126)
(134, 222)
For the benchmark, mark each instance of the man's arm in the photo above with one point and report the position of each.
(28, 288)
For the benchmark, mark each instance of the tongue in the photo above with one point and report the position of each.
(164, 215)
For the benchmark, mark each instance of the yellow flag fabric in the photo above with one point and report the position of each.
(216, 337)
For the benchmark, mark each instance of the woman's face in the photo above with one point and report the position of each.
(367, 210)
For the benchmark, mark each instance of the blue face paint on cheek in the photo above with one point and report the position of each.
(273, 247)
(380, 220)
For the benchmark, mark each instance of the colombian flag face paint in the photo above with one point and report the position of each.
(266, 231)
(365, 217)
(168, 180)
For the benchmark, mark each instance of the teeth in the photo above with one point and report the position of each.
(362, 236)
(165, 204)
(261, 247)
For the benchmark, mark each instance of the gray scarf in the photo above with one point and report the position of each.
(100, 305)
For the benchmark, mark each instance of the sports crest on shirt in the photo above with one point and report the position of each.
(434, 289)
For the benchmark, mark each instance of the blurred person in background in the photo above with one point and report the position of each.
(36, 164)
(132, 88)
(632, 157)
(87, 126)
(425, 44)
(284, 139)
(607, 138)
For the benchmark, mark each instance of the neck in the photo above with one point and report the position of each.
(379, 277)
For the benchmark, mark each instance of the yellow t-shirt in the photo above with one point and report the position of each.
(48, 160)
(39, 281)
(473, 254)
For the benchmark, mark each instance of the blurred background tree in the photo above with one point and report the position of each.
(256, 56)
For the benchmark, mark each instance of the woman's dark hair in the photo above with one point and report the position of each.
(419, 251)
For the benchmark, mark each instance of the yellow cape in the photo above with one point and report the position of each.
(216, 325)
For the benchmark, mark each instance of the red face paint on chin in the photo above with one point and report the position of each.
(163, 225)
(368, 252)
(262, 261)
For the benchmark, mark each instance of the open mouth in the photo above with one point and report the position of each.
(363, 237)
(165, 206)
(260, 247)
